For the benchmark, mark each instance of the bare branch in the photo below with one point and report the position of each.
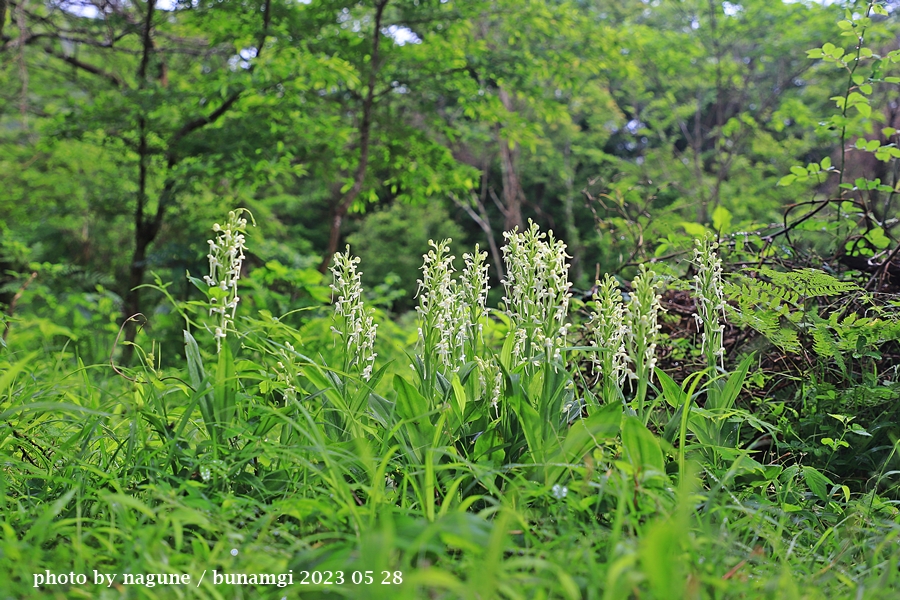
(114, 79)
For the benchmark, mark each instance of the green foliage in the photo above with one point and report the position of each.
(390, 242)
(775, 306)
(463, 451)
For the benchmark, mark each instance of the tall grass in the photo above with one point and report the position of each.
(490, 464)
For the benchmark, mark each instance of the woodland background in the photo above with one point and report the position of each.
(630, 128)
(128, 127)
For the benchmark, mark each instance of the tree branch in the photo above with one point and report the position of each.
(199, 122)
(112, 78)
(203, 121)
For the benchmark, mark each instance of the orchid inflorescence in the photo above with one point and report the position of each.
(442, 329)
(608, 329)
(356, 324)
(642, 322)
(226, 257)
(707, 285)
(537, 294)
(475, 286)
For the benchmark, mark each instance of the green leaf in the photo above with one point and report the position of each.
(694, 229)
(878, 239)
(198, 381)
(817, 483)
(721, 218)
(602, 425)
(733, 386)
(225, 390)
(530, 421)
(506, 357)
(130, 501)
(410, 403)
(672, 392)
(662, 557)
(459, 396)
(489, 446)
(9, 375)
(641, 447)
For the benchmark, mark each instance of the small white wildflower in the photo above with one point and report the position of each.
(642, 318)
(475, 286)
(490, 380)
(356, 325)
(710, 298)
(442, 329)
(608, 329)
(537, 294)
(560, 491)
(226, 256)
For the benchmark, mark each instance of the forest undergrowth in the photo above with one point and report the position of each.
(536, 450)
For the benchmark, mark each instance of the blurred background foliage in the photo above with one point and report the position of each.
(126, 128)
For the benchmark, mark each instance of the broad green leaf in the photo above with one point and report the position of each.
(817, 482)
(787, 180)
(721, 218)
(459, 397)
(671, 391)
(489, 446)
(641, 446)
(410, 403)
(694, 229)
(584, 434)
(530, 421)
(725, 399)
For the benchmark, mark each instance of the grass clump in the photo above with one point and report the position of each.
(491, 469)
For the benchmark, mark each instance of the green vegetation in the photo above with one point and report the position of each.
(657, 359)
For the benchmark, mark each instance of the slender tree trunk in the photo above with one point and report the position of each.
(147, 227)
(144, 233)
(512, 188)
(702, 200)
(365, 135)
(483, 219)
(572, 233)
(132, 304)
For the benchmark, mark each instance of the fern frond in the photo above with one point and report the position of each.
(809, 283)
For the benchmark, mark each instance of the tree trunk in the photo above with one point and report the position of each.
(132, 306)
(365, 135)
(572, 233)
(512, 188)
(144, 232)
